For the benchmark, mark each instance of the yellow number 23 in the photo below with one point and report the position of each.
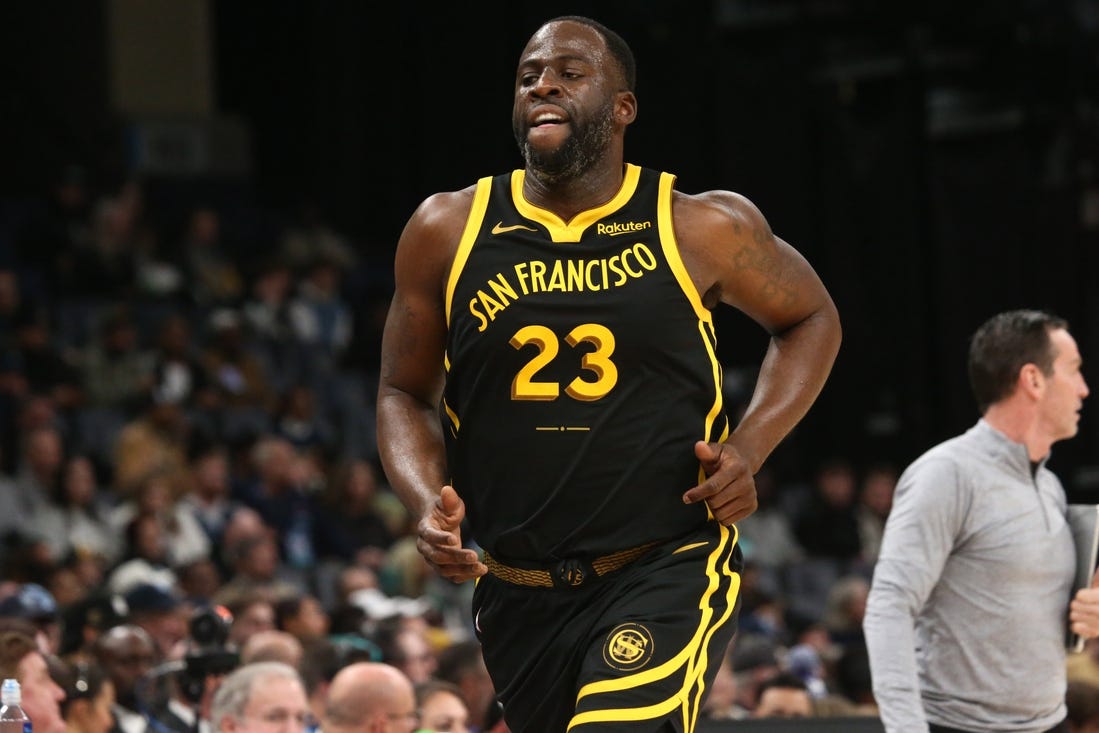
(597, 362)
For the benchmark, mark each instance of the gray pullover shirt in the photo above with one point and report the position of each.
(968, 608)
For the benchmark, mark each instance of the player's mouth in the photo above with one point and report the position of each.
(546, 116)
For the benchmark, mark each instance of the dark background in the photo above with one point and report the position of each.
(936, 161)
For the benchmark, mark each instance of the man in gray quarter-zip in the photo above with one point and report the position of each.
(970, 601)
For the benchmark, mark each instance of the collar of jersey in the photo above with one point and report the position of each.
(561, 231)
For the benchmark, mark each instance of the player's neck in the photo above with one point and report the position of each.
(567, 198)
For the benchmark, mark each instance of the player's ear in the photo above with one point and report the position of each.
(625, 108)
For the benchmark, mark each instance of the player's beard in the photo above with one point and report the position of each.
(576, 155)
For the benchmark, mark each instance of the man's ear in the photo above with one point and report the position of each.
(1031, 380)
(625, 108)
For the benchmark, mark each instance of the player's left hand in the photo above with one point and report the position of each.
(1083, 612)
(730, 487)
(439, 539)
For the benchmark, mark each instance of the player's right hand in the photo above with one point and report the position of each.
(439, 539)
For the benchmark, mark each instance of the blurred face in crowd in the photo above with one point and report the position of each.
(256, 617)
(275, 705)
(126, 653)
(444, 712)
(784, 702)
(416, 658)
(41, 695)
(92, 715)
(311, 621)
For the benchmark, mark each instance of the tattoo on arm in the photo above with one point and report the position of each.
(756, 257)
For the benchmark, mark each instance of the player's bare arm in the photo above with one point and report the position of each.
(409, 433)
(734, 258)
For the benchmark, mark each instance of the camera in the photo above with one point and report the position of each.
(209, 654)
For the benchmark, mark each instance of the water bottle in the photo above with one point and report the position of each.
(12, 717)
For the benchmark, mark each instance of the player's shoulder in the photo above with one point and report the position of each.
(441, 207)
(708, 213)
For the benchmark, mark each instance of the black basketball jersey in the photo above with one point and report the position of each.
(581, 369)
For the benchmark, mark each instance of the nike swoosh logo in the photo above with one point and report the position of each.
(500, 228)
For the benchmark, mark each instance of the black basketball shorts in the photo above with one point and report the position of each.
(632, 651)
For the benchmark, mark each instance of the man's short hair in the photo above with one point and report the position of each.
(235, 691)
(1003, 345)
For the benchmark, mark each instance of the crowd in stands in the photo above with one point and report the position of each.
(186, 424)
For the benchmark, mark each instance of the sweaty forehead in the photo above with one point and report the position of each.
(565, 39)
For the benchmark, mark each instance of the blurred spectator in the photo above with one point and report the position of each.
(783, 695)
(116, 372)
(25, 499)
(145, 557)
(184, 538)
(212, 277)
(117, 375)
(78, 519)
(35, 363)
(255, 568)
(851, 675)
(105, 268)
(283, 492)
(252, 613)
(83, 622)
(303, 616)
(34, 604)
(347, 617)
(827, 527)
(355, 511)
(199, 581)
(272, 645)
(407, 649)
(178, 374)
(845, 610)
(767, 536)
(207, 498)
(127, 653)
(298, 420)
(804, 662)
(462, 664)
(875, 501)
(324, 321)
(255, 698)
(155, 440)
(754, 659)
(320, 315)
(321, 660)
(370, 695)
(442, 707)
(89, 699)
(721, 702)
(21, 659)
(161, 612)
(266, 314)
(238, 376)
(311, 236)
(763, 611)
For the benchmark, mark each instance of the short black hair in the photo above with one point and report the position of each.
(1003, 345)
(784, 680)
(616, 44)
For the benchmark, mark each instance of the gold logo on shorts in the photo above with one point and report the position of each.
(628, 647)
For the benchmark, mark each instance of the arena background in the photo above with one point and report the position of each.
(936, 161)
